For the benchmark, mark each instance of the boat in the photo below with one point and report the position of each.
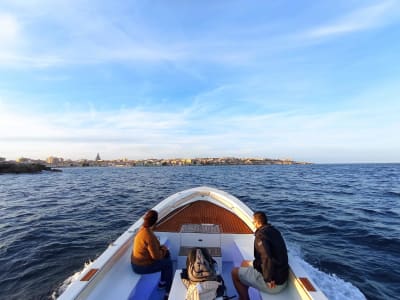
(202, 216)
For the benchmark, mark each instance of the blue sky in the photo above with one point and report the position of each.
(312, 81)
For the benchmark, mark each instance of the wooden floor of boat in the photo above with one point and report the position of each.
(203, 212)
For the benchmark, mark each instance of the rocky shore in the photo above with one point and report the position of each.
(18, 168)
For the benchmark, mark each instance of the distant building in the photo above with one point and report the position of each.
(97, 157)
(23, 160)
(54, 160)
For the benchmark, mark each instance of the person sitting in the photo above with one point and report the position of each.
(269, 271)
(148, 256)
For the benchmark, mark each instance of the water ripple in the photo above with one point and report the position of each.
(345, 219)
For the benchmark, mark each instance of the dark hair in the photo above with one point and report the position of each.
(260, 217)
(150, 218)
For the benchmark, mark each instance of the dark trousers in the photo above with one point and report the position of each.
(164, 265)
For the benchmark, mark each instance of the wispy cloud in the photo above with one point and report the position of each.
(10, 37)
(16, 45)
(39, 36)
(141, 133)
(361, 19)
(47, 38)
(9, 29)
(221, 79)
(123, 34)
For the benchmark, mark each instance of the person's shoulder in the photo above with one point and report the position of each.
(262, 231)
(149, 233)
(146, 234)
(143, 231)
(268, 229)
(272, 228)
(269, 226)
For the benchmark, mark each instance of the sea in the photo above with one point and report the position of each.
(341, 222)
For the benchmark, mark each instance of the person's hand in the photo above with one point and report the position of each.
(271, 284)
(246, 263)
(165, 251)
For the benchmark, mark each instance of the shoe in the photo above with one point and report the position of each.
(162, 285)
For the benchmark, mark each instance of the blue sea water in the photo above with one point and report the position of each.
(342, 222)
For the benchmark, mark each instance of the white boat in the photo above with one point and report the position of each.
(201, 216)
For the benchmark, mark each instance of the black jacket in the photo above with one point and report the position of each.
(270, 254)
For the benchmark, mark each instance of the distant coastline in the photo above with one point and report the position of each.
(26, 165)
(22, 168)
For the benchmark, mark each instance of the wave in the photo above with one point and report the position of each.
(393, 193)
(332, 286)
(67, 282)
(344, 216)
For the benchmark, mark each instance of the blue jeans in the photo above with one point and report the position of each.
(164, 265)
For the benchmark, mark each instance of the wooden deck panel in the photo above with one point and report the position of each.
(203, 212)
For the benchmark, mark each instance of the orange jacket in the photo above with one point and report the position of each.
(146, 248)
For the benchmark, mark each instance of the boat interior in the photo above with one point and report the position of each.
(218, 222)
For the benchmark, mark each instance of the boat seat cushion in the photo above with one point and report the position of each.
(146, 284)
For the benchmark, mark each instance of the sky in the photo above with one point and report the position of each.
(315, 81)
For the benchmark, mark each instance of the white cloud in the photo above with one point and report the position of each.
(16, 45)
(11, 38)
(140, 133)
(362, 19)
(263, 105)
(9, 29)
(121, 35)
(132, 124)
(37, 35)
(124, 34)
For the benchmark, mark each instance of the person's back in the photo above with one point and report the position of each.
(269, 271)
(148, 256)
(146, 248)
(269, 242)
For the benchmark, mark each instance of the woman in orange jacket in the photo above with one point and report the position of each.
(148, 256)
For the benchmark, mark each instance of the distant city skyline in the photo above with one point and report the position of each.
(61, 162)
(302, 80)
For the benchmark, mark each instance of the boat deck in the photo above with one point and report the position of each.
(121, 282)
(203, 212)
(199, 217)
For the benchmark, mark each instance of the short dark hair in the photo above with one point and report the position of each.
(150, 218)
(260, 217)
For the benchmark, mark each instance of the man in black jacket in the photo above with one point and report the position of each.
(269, 270)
